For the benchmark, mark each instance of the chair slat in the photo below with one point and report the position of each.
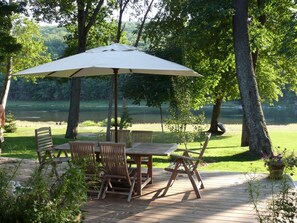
(113, 158)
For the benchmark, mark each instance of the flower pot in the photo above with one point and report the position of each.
(276, 171)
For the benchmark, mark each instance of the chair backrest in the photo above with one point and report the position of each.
(44, 143)
(123, 135)
(83, 154)
(187, 157)
(142, 136)
(207, 138)
(114, 161)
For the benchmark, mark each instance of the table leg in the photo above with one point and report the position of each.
(150, 168)
(139, 174)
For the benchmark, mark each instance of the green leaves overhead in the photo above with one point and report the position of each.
(8, 44)
(203, 31)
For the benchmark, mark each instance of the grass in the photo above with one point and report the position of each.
(223, 153)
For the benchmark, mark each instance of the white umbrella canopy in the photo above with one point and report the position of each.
(103, 61)
(113, 59)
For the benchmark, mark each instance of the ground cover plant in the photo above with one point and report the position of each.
(223, 153)
(42, 198)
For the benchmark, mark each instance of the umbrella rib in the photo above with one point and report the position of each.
(75, 72)
(51, 73)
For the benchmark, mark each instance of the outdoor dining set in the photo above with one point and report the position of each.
(123, 167)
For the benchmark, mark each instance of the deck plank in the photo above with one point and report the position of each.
(224, 199)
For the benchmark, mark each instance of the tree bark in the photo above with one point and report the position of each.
(258, 138)
(216, 110)
(6, 85)
(244, 133)
(73, 115)
(83, 27)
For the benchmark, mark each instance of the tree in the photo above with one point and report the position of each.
(192, 24)
(271, 27)
(84, 14)
(259, 138)
(137, 7)
(33, 51)
(154, 89)
(8, 43)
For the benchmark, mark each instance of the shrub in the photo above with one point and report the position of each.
(10, 125)
(89, 123)
(279, 206)
(43, 200)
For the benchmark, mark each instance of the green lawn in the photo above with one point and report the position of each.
(223, 153)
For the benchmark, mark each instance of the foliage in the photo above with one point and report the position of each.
(281, 206)
(281, 159)
(88, 123)
(54, 39)
(40, 200)
(8, 44)
(154, 89)
(126, 120)
(10, 123)
(34, 51)
(182, 116)
(125, 124)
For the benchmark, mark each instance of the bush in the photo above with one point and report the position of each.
(40, 201)
(279, 205)
(89, 123)
(10, 125)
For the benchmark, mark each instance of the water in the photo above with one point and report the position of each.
(229, 115)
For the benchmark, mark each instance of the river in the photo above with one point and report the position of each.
(229, 114)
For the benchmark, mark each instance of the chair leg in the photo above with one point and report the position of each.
(105, 188)
(101, 188)
(131, 189)
(199, 178)
(196, 189)
(191, 178)
(172, 178)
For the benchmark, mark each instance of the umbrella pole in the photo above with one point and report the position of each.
(115, 71)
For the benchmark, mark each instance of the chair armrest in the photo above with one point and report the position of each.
(185, 157)
(189, 151)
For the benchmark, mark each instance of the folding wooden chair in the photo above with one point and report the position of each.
(83, 155)
(186, 164)
(45, 149)
(139, 136)
(123, 136)
(117, 178)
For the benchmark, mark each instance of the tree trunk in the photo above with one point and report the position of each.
(216, 110)
(73, 115)
(244, 133)
(7, 82)
(259, 138)
(142, 23)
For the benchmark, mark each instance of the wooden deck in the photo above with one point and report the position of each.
(224, 199)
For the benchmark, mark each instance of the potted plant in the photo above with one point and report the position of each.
(276, 164)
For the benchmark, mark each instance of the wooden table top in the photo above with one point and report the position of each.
(158, 149)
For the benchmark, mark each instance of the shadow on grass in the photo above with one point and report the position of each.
(244, 156)
(24, 146)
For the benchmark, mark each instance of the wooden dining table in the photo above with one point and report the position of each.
(137, 152)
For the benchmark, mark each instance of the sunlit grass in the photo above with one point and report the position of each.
(224, 153)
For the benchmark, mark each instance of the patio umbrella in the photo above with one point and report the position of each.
(113, 59)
